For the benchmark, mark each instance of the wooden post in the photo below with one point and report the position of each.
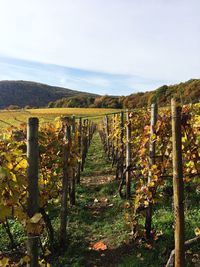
(33, 191)
(154, 114)
(84, 143)
(178, 186)
(73, 124)
(112, 142)
(73, 189)
(89, 133)
(65, 181)
(73, 178)
(121, 144)
(107, 135)
(80, 150)
(128, 156)
(87, 136)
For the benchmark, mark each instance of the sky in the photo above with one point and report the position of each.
(114, 47)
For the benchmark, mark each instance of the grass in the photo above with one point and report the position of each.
(97, 161)
(16, 117)
(92, 223)
(99, 216)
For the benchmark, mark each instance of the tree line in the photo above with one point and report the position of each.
(188, 92)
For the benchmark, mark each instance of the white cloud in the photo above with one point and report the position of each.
(156, 39)
(94, 82)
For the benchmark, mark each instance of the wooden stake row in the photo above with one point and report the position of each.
(123, 165)
(71, 176)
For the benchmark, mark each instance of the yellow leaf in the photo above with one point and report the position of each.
(13, 176)
(26, 259)
(9, 165)
(155, 177)
(22, 164)
(153, 137)
(151, 184)
(4, 262)
(126, 215)
(197, 231)
(36, 218)
(153, 167)
(127, 205)
(43, 263)
(47, 252)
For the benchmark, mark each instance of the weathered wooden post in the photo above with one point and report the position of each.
(73, 124)
(78, 177)
(73, 179)
(114, 142)
(88, 136)
(89, 133)
(65, 181)
(128, 156)
(121, 144)
(107, 135)
(178, 186)
(152, 146)
(33, 191)
(84, 143)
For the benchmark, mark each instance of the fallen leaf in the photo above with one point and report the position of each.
(99, 246)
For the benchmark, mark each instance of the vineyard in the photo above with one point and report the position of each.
(121, 189)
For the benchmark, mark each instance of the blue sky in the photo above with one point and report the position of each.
(107, 47)
(73, 78)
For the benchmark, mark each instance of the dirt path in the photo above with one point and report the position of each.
(103, 206)
(99, 208)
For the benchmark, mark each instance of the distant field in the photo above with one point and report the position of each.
(16, 117)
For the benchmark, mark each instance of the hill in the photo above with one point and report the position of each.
(187, 92)
(25, 93)
(88, 101)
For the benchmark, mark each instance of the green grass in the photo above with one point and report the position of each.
(87, 227)
(97, 161)
(90, 222)
(109, 225)
(18, 233)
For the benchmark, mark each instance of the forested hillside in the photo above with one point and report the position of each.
(187, 92)
(80, 101)
(25, 93)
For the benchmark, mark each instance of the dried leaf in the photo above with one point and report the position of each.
(99, 246)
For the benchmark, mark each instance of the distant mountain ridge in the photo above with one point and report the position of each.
(185, 92)
(33, 94)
